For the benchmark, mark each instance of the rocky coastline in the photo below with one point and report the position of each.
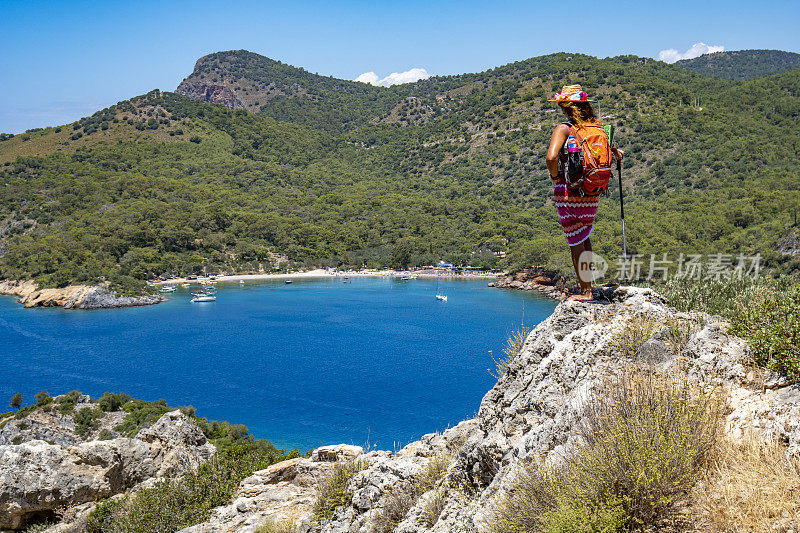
(101, 296)
(550, 283)
(532, 413)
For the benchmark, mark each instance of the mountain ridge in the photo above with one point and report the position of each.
(742, 64)
(445, 168)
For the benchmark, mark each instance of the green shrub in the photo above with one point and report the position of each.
(141, 414)
(25, 411)
(43, 398)
(770, 321)
(112, 402)
(86, 420)
(173, 504)
(17, 440)
(66, 402)
(646, 439)
(332, 489)
(716, 297)
(105, 434)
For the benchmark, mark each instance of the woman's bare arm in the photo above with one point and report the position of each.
(556, 143)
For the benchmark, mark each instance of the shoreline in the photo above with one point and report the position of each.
(323, 273)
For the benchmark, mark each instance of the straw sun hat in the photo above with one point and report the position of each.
(571, 93)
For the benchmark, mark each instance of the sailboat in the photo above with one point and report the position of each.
(439, 296)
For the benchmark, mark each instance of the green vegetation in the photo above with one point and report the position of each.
(646, 440)
(66, 403)
(765, 311)
(771, 323)
(723, 297)
(742, 64)
(173, 504)
(16, 400)
(86, 420)
(338, 173)
(139, 414)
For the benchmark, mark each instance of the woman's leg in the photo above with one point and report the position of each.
(581, 264)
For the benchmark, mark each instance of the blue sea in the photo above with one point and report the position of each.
(375, 362)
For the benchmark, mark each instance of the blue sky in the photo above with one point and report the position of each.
(63, 60)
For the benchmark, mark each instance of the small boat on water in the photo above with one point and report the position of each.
(168, 288)
(288, 281)
(184, 284)
(203, 298)
(439, 296)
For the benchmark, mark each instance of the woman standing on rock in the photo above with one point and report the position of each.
(575, 198)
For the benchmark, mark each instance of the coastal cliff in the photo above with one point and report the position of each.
(532, 413)
(455, 480)
(29, 295)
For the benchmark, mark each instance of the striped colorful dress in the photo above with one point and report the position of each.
(575, 211)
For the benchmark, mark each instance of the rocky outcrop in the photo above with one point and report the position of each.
(549, 283)
(73, 296)
(55, 427)
(213, 93)
(36, 477)
(532, 412)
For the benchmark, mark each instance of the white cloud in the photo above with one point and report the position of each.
(696, 50)
(395, 78)
(368, 77)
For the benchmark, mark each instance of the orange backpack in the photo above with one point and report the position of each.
(589, 159)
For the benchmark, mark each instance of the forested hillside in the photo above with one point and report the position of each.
(742, 64)
(291, 167)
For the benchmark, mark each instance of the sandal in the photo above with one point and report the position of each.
(581, 298)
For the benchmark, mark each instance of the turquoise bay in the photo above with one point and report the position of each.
(375, 361)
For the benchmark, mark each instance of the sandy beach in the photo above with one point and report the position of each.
(322, 273)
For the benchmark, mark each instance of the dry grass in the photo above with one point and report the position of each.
(434, 507)
(405, 496)
(397, 503)
(282, 526)
(646, 441)
(332, 491)
(750, 487)
(513, 346)
(635, 331)
(679, 331)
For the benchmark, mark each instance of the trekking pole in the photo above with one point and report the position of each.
(622, 216)
(621, 210)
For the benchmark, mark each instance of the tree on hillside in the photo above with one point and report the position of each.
(401, 254)
(16, 401)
